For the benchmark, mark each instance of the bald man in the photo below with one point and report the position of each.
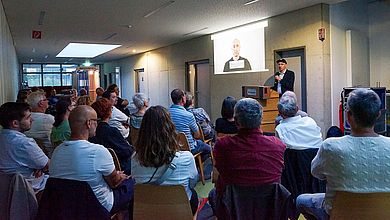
(81, 160)
(237, 62)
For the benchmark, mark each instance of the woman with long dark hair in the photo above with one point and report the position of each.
(61, 130)
(156, 149)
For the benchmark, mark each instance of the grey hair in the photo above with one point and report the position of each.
(291, 94)
(248, 113)
(139, 100)
(35, 97)
(287, 106)
(364, 105)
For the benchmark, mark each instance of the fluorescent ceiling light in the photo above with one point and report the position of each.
(86, 50)
(251, 2)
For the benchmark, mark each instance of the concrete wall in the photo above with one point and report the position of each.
(379, 32)
(349, 49)
(294, 29)
(9, 77)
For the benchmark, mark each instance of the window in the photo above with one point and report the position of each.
(48, 74)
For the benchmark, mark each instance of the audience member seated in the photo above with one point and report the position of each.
(248, 158)
(158, 159)
(110, 137)
(83, 92)
(295, 131)
(42, 123)
(22, 95)
(226, 124)
(141, 101)
(118, 119)
(299, 112)
(84, 100)
(78, 159)
(355, 163)
(185, 122)
(74, 95)
(121, 104)
(99, 93)
(201, 117)
(61, 130)
(18, 153)
(334, 131)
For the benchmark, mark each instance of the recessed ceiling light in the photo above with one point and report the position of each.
(31, 60)
(251, 2)
(86, 50)
(134, 50)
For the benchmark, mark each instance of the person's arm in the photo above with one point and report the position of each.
(115, 178)
(194, 128)
(318, 164)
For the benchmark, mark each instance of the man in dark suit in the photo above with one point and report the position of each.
(284, 78)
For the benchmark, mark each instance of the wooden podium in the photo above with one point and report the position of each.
(269, 99)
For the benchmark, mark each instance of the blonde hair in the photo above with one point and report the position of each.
(84, 100)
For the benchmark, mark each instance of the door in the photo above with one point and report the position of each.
(140, 81)
(198, 83)
(296, 62)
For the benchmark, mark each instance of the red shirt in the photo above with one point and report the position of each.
(249, 158)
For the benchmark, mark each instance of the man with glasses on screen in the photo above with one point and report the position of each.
(237, 63)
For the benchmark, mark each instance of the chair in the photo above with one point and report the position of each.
(362, 206)
(161, 202)
(134, 135)
(208, 141)
(115, 158)
(185, 146)
(65, 199)
(266, 202)
(219, 135)
(297, 177)
(17, 198)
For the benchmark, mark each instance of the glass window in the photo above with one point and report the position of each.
(33, 79)
(51, 68)
(31, 68)
(51, 79)
(68, 68)
(66, 79)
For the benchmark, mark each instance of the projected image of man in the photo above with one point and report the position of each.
(237, 62)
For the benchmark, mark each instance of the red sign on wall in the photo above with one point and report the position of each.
(36, 34)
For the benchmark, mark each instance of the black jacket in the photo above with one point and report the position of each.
(287, 82)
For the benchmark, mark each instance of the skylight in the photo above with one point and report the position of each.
(86, 50)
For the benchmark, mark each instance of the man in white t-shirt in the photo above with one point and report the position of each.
(295, 131)
(42, 123)
(78, 159)
(18, 153)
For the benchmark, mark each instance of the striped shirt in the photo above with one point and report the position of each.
(184, 122)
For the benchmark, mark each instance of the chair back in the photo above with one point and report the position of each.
(161, 202)
(65, 199)
(115, 158)
(183, 141)
(362, 206)
(219, 135)
(208, 141)
(254, 202)
(134, 135)
(17, 198)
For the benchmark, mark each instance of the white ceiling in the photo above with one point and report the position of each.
(94, 21)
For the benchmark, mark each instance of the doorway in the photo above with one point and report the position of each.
(296, 62)
(198, 83)
(139, 81)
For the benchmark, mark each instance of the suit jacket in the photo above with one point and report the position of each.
(287, 83)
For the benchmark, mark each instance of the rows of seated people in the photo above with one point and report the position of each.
(74, 145)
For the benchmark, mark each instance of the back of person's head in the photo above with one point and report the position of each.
(34, 98)
(62, 107)
(139, 100)
(107, 94)
(112, 87)
(11, 111)
(189, 100)
(287, 106)
(78, 119)
(334, 131)
(248, 113)
(227, 110)
(157, 138)
(103, 108)
(177, 95)
(22, 95)
(364, 106)
(99, 91)
(83, 92)
(84, 100)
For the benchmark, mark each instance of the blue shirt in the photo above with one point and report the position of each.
(184, 121)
